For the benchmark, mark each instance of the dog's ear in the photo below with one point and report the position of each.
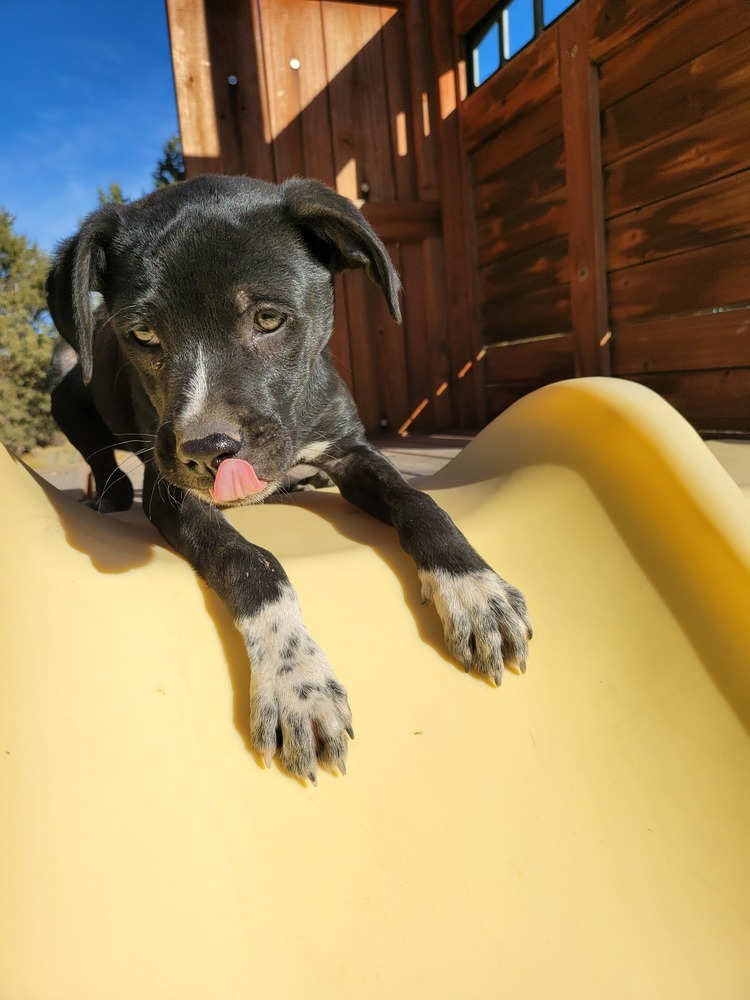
(79, 268)
(340, 236)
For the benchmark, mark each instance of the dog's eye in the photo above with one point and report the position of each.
(147, 338)
(268, 320)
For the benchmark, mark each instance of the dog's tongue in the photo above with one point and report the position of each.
(235, 480)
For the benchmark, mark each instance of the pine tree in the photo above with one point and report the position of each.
(26, 341)
(171, 167)
(113, 195)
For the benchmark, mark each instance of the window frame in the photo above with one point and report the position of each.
(494, 16)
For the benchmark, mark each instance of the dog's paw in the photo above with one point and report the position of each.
(297, 706)
(485, 620)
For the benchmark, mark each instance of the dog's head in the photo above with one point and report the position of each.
(218, 292)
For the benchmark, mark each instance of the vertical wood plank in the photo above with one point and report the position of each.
(396, 59)
(342, 37)
(317, 139)
(586, 234)
(428, 357)
(356, 69)
(279, 30)
(390, 353)
(434, 330)
(317, 154)
(394, 386)
(193, 85)
(361, 143)
(239, 88)
(460, 271)
(296, 83)
(420, 69)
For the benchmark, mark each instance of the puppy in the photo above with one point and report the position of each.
(204, 350)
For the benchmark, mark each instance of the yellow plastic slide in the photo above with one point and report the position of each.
(582, 832)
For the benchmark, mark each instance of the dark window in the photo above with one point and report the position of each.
(508, 28)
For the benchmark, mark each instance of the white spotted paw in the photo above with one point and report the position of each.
(485, 620)
(297, 706)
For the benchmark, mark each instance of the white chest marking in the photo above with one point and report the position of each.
(312, 451)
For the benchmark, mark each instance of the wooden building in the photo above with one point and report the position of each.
(585, 210)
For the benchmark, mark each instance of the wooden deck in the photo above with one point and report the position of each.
(422, 454)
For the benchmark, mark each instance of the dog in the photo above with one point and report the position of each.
(195, 324)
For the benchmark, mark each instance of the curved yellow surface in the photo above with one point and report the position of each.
(583, 832)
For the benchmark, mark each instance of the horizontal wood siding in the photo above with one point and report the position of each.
(522, 85)
(684, 343)
(682, 162)
(676, 152)
(671, 90)
(696, 394)
(716, 212)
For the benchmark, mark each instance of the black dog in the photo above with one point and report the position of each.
(206, 353)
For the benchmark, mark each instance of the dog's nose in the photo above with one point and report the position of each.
(208, 452)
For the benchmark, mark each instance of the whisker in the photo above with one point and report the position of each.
(106, 447)
(286, 492)
(109, 319)
(340, 360)
(128, 469)
(120, 370)
(109, 479)
(151, 498)
(171, 496)
(136, 435)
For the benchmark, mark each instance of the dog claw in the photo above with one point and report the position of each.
(350, 732)
(313, 778)
(342, 768)
(268, 758)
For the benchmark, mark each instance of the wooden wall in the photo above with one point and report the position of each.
(611, 175)
(363, 97)
(586, 211)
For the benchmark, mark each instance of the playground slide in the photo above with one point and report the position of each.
(581, 832)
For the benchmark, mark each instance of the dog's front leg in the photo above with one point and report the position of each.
(296, 703)
(485, 620)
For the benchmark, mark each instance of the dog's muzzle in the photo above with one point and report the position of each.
(206, 454)
(234, 478)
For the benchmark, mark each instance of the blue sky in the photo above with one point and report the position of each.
(88, 99)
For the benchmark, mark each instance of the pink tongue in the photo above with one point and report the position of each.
(235, 480)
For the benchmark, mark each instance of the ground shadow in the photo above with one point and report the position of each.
(114, 543)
